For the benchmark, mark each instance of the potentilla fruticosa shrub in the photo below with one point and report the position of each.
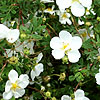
(49, 49)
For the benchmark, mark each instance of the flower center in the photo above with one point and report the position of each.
(65, 46)
(84, 34)
(87, 10)
(64, 16)
(49, 9)
(14, 86)
(75, 1)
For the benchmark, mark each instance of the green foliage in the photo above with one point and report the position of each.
(39, 27)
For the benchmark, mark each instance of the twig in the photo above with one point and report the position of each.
(77, 86)
(37, 91)
(3, 68)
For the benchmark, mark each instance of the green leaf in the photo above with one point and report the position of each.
(37, 37)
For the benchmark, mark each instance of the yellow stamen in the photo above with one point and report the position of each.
(14, 86)
(49, 9)
(64, 15)
(65, 46)
(75, 1)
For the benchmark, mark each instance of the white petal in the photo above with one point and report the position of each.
(65, 36)
(39, 57)
(33, 74)
(3, 31)
(7, 95)
(77, 9)
(46, 1)
(74, 56)
(85, 98)
(76, 43)
(55, 43)
(79, 94)
(65, 97)
(13, 76)
(97, 76)
(68, 21)
(19, 93)
(38, 69)
(62, 4)
(80, 22)
(13, 35)
(23, 80)
(86, 3)
(8, 86)
(58, 54)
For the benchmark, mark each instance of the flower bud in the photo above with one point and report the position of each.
(23, 35)
(48, 94)
(98, 18)
(13, 60)
(48, 85)
(62, 76)
(47, 78)
(65, 60)
(53, 98)
(42, 88)
(88, 23)
(26, 51)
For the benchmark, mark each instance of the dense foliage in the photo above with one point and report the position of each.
(36, 22)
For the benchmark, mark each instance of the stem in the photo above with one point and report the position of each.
(74, 23)
(51, 28)
(3, 68)
(77, 86)
(37, 91)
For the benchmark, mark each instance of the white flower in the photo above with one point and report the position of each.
(77, 6)
(65, 97)
(97, 76)
(79, 95)
(80, 22)
(15, 86)
(50, 10)
(47, 1)
(88, 10)
(11, 35)
(66, 44)
(64, 17)
(19, 47)
(38, 68)
(85, 34)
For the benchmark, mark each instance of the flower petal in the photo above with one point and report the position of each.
(3, 31)
(86, 3)
(23, 81)
(74, 56)
(97, 76)
(33, 74)
(7, 95)
(76, 43)
(79, 94)
(13, 76)
(62, 4)
(65, 36)
(77, 9)
(19, 93)
(58, 54)
(8, 86)
(85, 98)
(39, 57)
(65, 97)
(13, 35)
(38, 69)
(55, 43)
